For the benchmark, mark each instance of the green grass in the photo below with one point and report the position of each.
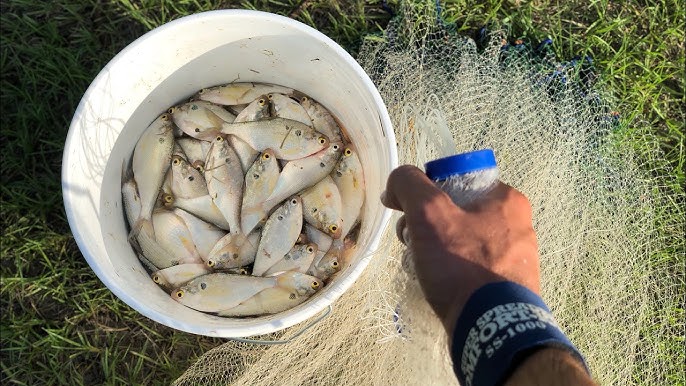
(60, 325)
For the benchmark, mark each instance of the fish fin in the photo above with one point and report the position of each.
(192, 260)
(227, 128)
(256, 213)
(136, 229)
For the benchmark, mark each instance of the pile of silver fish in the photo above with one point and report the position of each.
(243, 201)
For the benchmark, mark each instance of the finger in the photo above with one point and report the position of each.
(400, 229)
(408, 186)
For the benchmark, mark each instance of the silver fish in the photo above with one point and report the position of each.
(322, 207)
(349, 178)
(326, 266)
(220, 291)
(256, 110)
(234, 251)
(152, 250)
(259, 183)
(298, 259)
(173, 235)
(178, 275)
(279, 234)
(323, 242)
(293, 289)
(186, 182)
(239, 93)
(285, 107)
(318, 237)
(195, 150)
(150, 163)
(204, 234)
(287, 138)
(246, 154)
(224, 178)
(200, 119)
(203, 207)
(298, 175)
(129, 194)
(322, 120)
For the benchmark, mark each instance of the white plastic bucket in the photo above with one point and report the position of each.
(165, 67)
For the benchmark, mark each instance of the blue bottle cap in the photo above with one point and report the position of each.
(472, 161)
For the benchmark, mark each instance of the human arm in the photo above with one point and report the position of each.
(458, 251)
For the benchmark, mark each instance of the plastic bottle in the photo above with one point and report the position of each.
(466, 176)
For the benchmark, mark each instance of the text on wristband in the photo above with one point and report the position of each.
(495, 326)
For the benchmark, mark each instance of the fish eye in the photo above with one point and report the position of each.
(179, 294)
(168, 198)
(279, 217)
(304, 99)
(202, 91)
(333, 228)
(171, 110)
(203, 286)
(322, 140)
(270, 96)
(243, 271)
(266, 156)
(210, 263)
(261, 102)
(315, 284)
(199, 168)
(310, 249)
(176, 161)
(334, 264)
(294, 201)
(156, 278)
(165, 117)
(348, 152)
(197, 129)
(335, 147)
(219, 138)
(256, 176)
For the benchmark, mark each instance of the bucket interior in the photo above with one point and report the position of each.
(107, 131)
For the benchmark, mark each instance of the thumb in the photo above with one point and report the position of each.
(407, 188)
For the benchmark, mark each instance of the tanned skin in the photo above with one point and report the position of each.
(458, 250)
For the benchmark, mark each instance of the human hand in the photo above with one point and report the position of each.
(458, 250)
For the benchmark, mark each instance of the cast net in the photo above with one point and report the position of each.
(595, 212)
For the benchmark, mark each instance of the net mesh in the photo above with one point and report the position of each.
(557, 141)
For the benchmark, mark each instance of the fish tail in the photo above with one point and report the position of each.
(137, 226)
(250, 217)
(227, 128)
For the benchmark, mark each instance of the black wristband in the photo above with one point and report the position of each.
(500, 322)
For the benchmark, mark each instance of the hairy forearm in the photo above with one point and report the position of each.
(550, 366)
